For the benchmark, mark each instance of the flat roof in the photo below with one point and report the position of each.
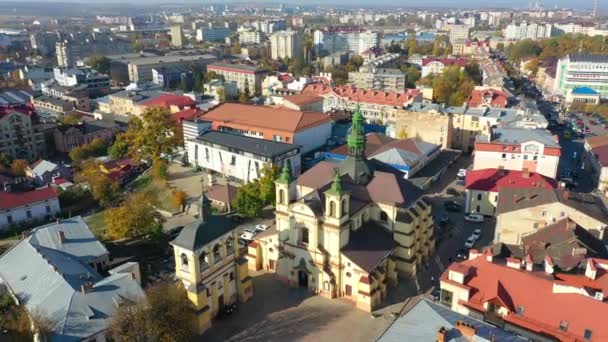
(266, 148)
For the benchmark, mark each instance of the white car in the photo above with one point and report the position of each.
(261, 227)
(476, 233)
(462, 173)
(470, 241)
(476, 218)
(247, 236)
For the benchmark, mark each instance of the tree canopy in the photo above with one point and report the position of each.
(136, 217)
(96, 148)
(556, 47)
(153, 135)
(99, 63)
(252, 197)
(452, 87)
(104, 190)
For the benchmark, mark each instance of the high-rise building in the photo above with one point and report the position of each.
(345, 38)
(177, 36)
(459, 32)
(285, 44)
(582, 70)
(212, 34)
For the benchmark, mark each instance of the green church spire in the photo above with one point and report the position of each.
(336, 186)
(286, 175)
(356, 138)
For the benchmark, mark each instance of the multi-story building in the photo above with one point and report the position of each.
(20, 138)
(523, 211)
(210, 266)
(43, 172)
(256, 50)
(140, 69)
(582, 70)
(212, 33)
(596, 159)
(533, 300)
(482, 187)
(432, 126)
(389, 80)
(270, 26)
(489, 97)
(173, 76)
(19, 207)
(177, 36)
(459, 32)
(434, 65)
(44, 42)
(468, 47)
(285, 44)
(519, 149)
(346, 230)
(71, 51)
(310, 130)
(68, 137)
(245, 76)
(526, 30)
(336, 58)
(251, 37)
(345, 39)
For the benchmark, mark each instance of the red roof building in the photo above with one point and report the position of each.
(494, 179)
(488, 98)
(542, 303)
(175, 103)
(364, 96)
(16, 207)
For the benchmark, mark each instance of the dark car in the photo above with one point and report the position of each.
(452, 206)
(435, 294)
(462, 255)
(443, 220)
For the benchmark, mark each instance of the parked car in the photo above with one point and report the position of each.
(476, 233)
(443, 220)
(476, 218)
(248, 234)
(261, 227)
(435, 293)
(452, 206)
(470, 242)
(462, 173)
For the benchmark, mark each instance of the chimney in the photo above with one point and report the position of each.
(488, 254)
(467, 330)
(526, 173)
(591, 269)
(549, 265)
(442, 335)
(529, 263)
(61, 236)
(86, 287)
(473, 253)
(514, 263)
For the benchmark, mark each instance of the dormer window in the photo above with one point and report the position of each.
(588, 334)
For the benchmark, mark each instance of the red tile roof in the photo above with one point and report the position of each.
(542, 310)
(167, 100)
(280, 119)
(303, 99)
(488, 97)
(495, 179)
(187, 114)
(601, 154)
(366, 96)
(512, 148)
(10, 200)
(445, 61)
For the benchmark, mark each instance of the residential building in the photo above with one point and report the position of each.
(43, 172)
(251, 37)
(309, 130)
(302, 102)
(221, 196)
(345, 39)
(431, 126)
(229, 89)
(140, 69)
(488, 97)
(459, 32)
(406, 155)
(44, 42)
(256, 50)
(127, 102)
(58, 271)
(121, 170)
(584, 95)
(526, 30)
(494, 74)
(434, 65)
(173, 76)
(19, 207)
(376, 106)
(582, 70)
(66, 98)
(285, 44)
(96, 83)
(68, 137)
(212, 34)
(435, 322)
(519, 149)
(389, 80)
(20, 137)
(471, 48)
(522, 211)
(270, 26)
(69, 52)
(177, 36)
(210, 266)
(245, 76)
(596, 159)
(482, 187)
(172, 102)
(348, 230)
(239, 157)
(336, 58)
(538, 303)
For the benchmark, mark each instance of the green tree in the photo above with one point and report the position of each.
(153, 135)
(119, 148)
(221, 94)
(135, 218)
(412, 46)
(104, 190)
(70, 119)
(267, 187)
(99, 63)
(5, 160)
(473, 70)
(523, 49)
(413, 75)
(452, 87)
(211, 75)
(97, 147)
(248, 201)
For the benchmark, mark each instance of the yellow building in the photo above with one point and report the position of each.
(346, 230)
(208, 263)
(431, 126)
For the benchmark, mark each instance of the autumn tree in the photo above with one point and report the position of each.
(452, 87)
(136, 217)
(96, 148)
(412, 46)
(104, 190)
(18, 167)
(153, 135)
(165, 315)
(70, 119)
(179, 198)
(413, 75)
(99, 63)
(120, 147)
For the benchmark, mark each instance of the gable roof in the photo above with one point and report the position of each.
(167, 100)
(495, 179)
(47, 278)
(369, 245)
(196, 234)
(374, 96)
(302, 99)
(222, 193)
(42, 166)
(282, 119)
(11, 200)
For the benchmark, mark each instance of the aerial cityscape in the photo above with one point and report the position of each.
(303, 171)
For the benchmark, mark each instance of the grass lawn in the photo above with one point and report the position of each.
(160, 194)
(96, 224)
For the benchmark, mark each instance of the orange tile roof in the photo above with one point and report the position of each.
(303, 99)
(167, 100)
(494, 179)
(281, 119)
(497, 98)
(10, 200)
(365, 96)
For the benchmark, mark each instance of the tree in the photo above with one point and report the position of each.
(267, 187)
(532, 66)
(120, 148)
(452, 87)
(245, 94)
(135, 218)
(473, 70)
(211, 75)
(104, 190)
(523, 49)
(153, 135)
(160, 170)
(412, 45)
(413, 75)
(221, 94)
(18, 167)
(165, 315)
(179, 198)
(70, 119)
(247, 201)
(5, 160)
(99, 63)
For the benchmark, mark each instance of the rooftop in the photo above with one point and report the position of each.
(584, 91)
(260, 147)
(11, 200)
(365, 95)
(196, 234)
(167, 100)
(495, 179)
(588, 58)
(509, 135)
(235, 67)
(369, 245)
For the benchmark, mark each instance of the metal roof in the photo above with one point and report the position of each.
(261, 147)
(589, 58)
(521, 135)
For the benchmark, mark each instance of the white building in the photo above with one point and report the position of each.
(251, 37)
(344, 39)
(285, 44)
(526, 30)
(212, 34)
(17, 207)
(239, 157)
(459, 32)
(582, 71)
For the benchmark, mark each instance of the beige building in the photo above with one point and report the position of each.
(435, 127)
(20, 138)
(390, 80)
(285, 44)
(177, 36)
(523, 211)
(346, 231)
(245, 76)
(209, 265)
(459, 32)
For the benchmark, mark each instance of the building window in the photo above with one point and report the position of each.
(203, 261)
(48, 209)
(229, 246)
(348, 274)
(479, 197)
(588, 334)
(217, 255)
(282, 196)
(504, 156)
(231, 276)
(343, 207)
(233, 160)
(304, 235)
(383, 217)
(28, 214)
(184, 258)
(544, 213)
(445, 297)
(332, 208)
(208, 292)
(563, 326)
(9, 219)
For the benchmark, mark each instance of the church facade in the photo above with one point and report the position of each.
(349, 230)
